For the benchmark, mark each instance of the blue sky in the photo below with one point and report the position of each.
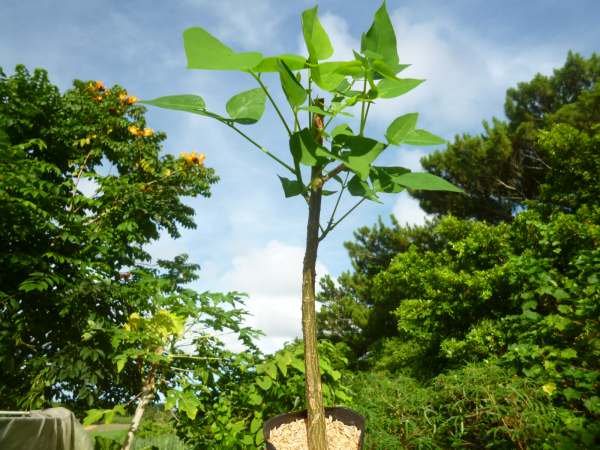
(249, 238)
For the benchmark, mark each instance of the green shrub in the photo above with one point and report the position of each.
(478, 406)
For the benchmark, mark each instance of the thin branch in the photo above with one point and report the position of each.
(337, 202)
(264, 88)
(260, 147)
(329, 229)
(334, 172)
(362, 108)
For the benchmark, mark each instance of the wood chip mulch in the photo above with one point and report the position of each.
(292, 436)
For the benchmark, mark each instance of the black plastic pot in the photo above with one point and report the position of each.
(344, 415)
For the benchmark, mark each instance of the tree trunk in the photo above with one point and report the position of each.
(145, 398)
(314, 396)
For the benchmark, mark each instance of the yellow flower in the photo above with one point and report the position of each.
(98, 98)
(123, 97)
(134, 130)
(147, 132)
(193, 158)
(549, 388)
(198, 158)
(131, 100)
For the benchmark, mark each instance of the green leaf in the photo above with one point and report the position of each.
(381, 38)
(423, 181)
(316, 39)
(383, 179)
(360, 188)
(292, 88)
(188, 403)
(265, 383)
(422, 138)
(255, 424)
(93, 416)
(190, 103)
(329, 75)
(304, 148)
(401, 127)
(363, 151)
(247, 107)
(283, 360)
(395, 88)
(343, 128)
(204, 51)
(291, 188)
(270, 63)
(385, 70)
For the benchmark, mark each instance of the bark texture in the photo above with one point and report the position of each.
(314, 397)
(145, 398)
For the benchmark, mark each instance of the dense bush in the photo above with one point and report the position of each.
(478, 406)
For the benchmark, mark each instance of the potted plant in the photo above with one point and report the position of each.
(323, 161)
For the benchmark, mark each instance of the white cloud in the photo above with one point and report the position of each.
(272, 277)
(408, 211)
(253, 25)
(466, 75)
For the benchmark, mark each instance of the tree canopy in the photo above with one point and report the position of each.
(506, 166)
(84, 189)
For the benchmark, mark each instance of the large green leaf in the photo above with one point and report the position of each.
(304, 148)
(291, 188)
(292, 88)
(190, 103)
(383, 179)
(359, 188)
(380, 40)
(362, 152)
(329, 75)
(422, 137)
(269, 63)
(316, 39)
(204, 51)
(247, 107)
(401, 127)
(387, 88)
(424, 181)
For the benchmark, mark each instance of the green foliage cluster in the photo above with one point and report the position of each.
(83, 189)
(478, 406)
(249, 390)
(522, 295)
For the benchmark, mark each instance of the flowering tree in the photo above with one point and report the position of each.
(320, 155)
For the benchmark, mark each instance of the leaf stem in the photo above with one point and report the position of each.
(329, 229)
(362, 109)
(260, 147)
(264, 88)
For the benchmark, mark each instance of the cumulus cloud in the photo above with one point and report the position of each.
(272, 277)
(408, 211)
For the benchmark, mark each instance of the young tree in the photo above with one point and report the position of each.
(83, 190)
(338, 156)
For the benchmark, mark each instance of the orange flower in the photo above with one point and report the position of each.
(147, 132)
(198, 158)
(99, 85)
(193, 158)
(131, 100)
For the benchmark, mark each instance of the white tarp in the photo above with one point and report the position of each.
(49, 429)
